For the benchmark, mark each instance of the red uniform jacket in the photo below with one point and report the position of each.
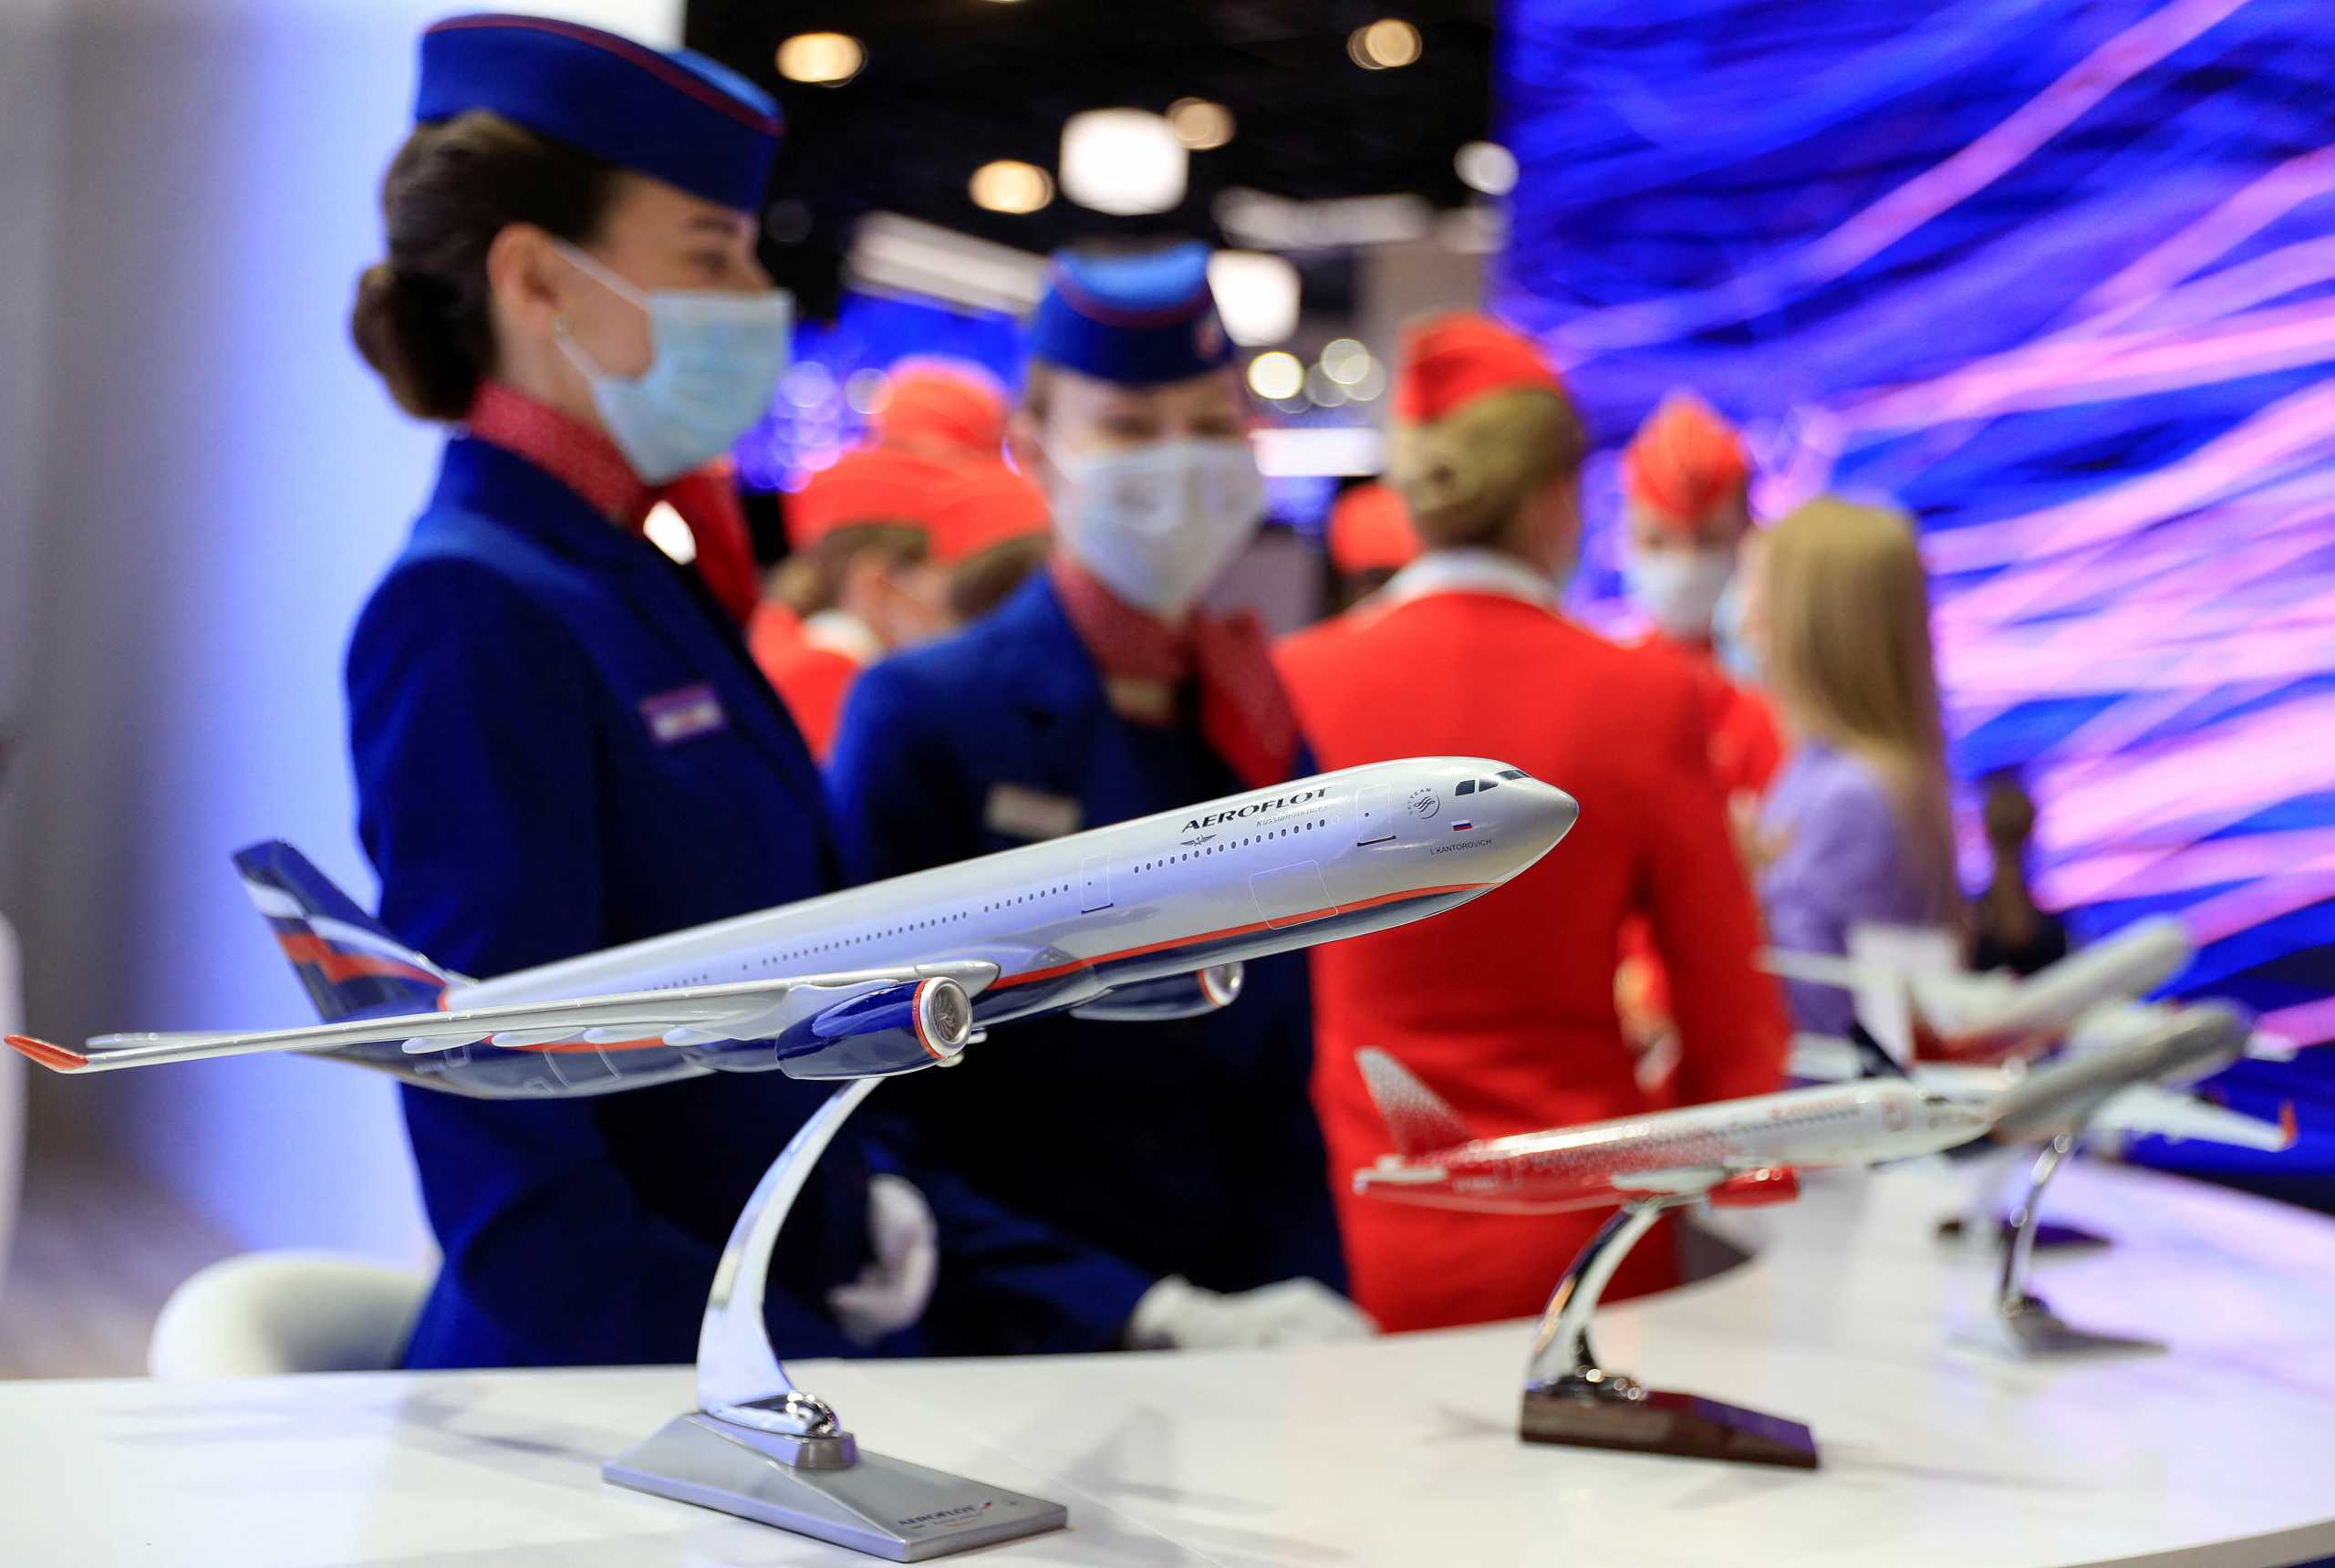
(1747, 748)
(1505, 1005)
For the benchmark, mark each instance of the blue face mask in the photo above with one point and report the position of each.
(714, 364)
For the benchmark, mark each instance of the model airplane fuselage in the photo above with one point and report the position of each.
(1146, 918)
(1956, 1015)
(1739, 1150)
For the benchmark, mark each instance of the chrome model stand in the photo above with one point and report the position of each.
(2019, 1320)
(762, 1448)
(1985, 1222)
(1569, 1399)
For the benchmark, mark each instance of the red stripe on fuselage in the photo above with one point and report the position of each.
(1057, 971)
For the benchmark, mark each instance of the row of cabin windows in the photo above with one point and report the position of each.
(1229, 844)
(773, 961)
(814, 948)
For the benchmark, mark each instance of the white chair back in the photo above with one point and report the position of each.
(264, 1313)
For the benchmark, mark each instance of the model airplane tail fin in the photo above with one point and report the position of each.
(352, 968)
(1416, 1116)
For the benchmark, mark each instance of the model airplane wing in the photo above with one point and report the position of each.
(2145, 1109)
(682, 1016)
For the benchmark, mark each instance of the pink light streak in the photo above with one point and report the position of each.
(2296, 430)
(2306, 1023)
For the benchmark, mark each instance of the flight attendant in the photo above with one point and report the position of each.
(1505, 1006)
(948, 410)
(1685, 487)
(860, 581)
(560, 744)
(1184, 1154)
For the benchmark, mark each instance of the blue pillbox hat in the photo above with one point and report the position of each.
(1138, 320)
(678, 116)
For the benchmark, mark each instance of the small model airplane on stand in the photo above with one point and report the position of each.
(1733, 1152)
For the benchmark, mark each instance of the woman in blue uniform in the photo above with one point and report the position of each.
(1183, 1156)
(560, 744)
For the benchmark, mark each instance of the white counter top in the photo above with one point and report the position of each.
(1402, 1451)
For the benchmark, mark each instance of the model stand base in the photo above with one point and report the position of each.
(1569, 1399)
(1653, 1421)
(2026, 1325)
(884, 1506)
(761, 1449)
(2017, 1322)
(2051, 1236)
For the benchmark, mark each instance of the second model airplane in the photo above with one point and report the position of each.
(1148, 918)
(1734, 1151)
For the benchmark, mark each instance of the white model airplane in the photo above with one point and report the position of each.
(1958, 1015)
(1148, 918)
(1735, 1152)
(1980, 1038)
(2133, 1086)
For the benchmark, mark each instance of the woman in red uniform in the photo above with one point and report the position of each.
(1686, 484)
(1505, 1006)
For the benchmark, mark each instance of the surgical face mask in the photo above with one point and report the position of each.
(1159, 524)
(1679, 589)
(714, 364)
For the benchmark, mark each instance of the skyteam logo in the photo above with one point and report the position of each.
(1256, 808)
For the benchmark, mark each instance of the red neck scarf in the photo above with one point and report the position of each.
(588, 462)
(1244, 714)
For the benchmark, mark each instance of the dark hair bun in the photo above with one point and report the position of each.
(404, 334)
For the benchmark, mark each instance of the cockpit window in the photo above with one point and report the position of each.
(1466, 788)
(1489, 784)
(1513, 774)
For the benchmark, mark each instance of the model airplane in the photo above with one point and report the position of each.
(2136, 1086)
(1960, 1016)
(2127, 1064)
(1148, 918)
(1736, 1152)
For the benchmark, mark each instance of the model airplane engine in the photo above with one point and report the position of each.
(1177, 996)
(897, 1029)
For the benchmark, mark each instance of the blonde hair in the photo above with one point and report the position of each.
(1847, 656)
(1466, 477)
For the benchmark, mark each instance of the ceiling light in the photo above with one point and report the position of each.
(1275, 375)
(1199, 124)
(1323, 390)
(1007, 186)
(822, 59)
(1345, 360)
(1256, 295)
(1123, 161)
(1385, 45)
(1485, 166)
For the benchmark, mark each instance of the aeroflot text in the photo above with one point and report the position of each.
(1255, 808)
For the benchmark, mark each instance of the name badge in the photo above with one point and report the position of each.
(683, 714)
(1018, 812)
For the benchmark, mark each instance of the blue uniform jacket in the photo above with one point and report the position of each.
(539, 775)
(1185, 1148)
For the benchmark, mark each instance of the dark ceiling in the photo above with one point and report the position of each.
(950, 85)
